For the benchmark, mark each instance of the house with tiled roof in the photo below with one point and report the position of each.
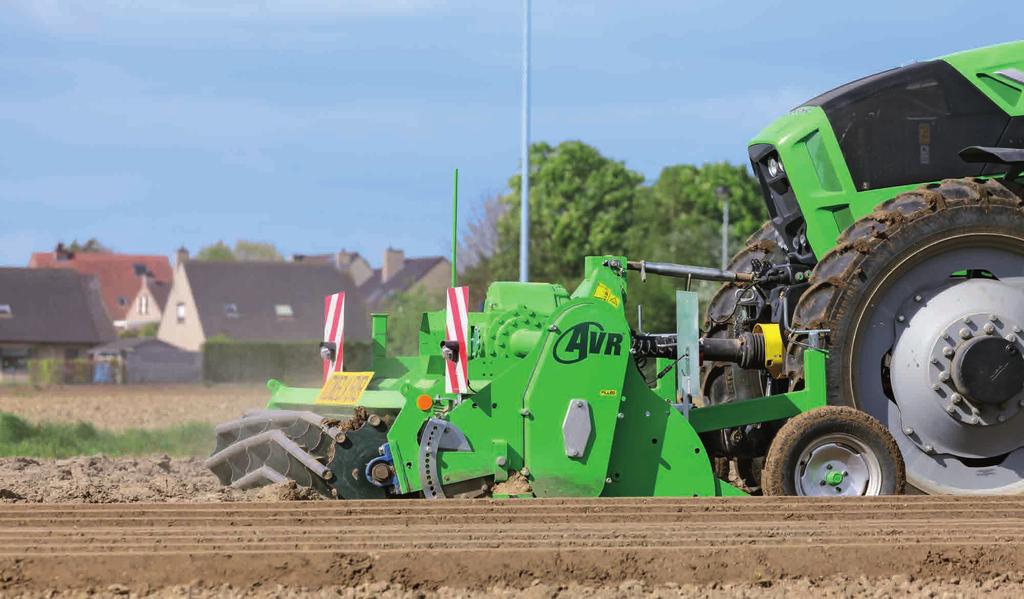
(256, 301)
(49, 314)
(397, 274)
(122, 279)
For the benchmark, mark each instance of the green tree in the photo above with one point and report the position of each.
(405, 312)
(581, 203)
(217, 252)
(89, 246)
(257, 251)
(679, 220)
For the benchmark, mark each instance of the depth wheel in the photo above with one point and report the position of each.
(833, 451)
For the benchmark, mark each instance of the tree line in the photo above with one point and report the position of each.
(584, 203)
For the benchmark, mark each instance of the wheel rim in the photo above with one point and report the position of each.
(838, 465)
(936, 456)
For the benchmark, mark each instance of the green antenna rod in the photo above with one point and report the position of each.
(455, 227)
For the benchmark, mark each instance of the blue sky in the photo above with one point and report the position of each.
(320, 125)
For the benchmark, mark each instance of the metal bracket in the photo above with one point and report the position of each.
(687, 348)
(437, 435)
(385, 457)
(576, 428)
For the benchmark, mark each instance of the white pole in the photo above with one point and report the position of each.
(723, 194)
(524, 190)
(725, 233)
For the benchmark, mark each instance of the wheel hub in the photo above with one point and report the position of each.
(958, 378)
(837, 466)
(988, 370)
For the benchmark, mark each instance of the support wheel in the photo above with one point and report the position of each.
(833, 451)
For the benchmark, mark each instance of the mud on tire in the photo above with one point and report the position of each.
(783, 467)
(957, 217)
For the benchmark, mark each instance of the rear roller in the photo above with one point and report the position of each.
(271, 446)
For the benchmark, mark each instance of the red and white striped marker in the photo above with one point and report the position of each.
(456, 379)
(334, 331)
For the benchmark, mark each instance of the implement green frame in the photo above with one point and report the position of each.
(772, 407)
(538, 354)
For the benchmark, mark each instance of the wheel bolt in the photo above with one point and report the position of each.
(948, 351)
(918, 298)
(989, 328)
(943, 376)
(908, 431)
(901, 318)
(1011, 338)
(950, 409)
(965, 333)
(956, 398)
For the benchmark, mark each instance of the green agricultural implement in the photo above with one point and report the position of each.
(558, 407)
(876, 320)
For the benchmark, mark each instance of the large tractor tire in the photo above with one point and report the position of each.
(921, 307)
(722, 382)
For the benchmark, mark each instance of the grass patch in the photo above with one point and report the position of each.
(19, 437)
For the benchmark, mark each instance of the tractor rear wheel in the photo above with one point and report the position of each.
(722, 382)
(921, 304)
(833, 451)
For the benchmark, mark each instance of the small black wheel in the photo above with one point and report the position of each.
(833, 451)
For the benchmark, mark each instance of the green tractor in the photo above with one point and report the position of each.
(872, 327)
(897, 237)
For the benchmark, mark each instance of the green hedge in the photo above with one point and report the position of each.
(295, 363)
(45, 372)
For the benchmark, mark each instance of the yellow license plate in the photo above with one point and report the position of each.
(344, 388)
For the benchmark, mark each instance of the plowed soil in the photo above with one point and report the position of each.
(750, 547)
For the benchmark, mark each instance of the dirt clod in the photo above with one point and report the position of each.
(517, 484)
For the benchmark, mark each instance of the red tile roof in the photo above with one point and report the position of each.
(115, 273)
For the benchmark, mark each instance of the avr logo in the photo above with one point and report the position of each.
(584, 340)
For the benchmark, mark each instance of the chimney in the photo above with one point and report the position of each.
(182, 255)
(63, 253)
(393, 262)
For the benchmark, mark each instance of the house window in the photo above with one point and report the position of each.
(283, 310)
(122, 300)
(5, 311)
(143, 304)
(231, 310)
(180, 312)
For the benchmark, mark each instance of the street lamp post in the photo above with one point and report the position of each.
(524, 180)
(723, 194)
